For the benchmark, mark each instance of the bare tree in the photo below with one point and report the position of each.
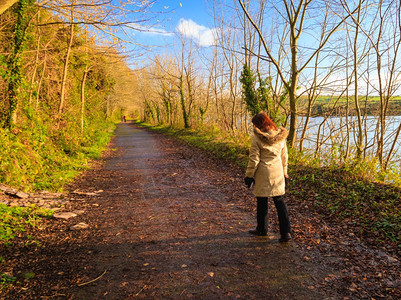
(384, 35)
(295, 15)
(229, 64)
(66, 64)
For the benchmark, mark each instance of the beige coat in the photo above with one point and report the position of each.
(268, 159)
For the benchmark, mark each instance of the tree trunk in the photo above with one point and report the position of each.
(65, 68)
(35, 68)
(293, 87)
(83, 99)
(184, 110)
(359, 143)
(42, 74)
(5, 4)
(14, 63)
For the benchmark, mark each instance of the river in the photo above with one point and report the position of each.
(333, 133)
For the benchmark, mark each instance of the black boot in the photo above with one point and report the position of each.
(285, 238)
(257, 232)
(261, 215)
(283, 219)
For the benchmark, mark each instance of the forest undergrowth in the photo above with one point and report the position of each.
(34, 158)
(350, 192)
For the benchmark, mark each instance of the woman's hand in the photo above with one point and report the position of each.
(249, 181)
(286, 179)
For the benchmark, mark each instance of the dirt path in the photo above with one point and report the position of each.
(170, 224)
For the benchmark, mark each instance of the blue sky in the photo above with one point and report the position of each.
(188, 17)
(196, 10)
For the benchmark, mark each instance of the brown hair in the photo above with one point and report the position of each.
(263, 122)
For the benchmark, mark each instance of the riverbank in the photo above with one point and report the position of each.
(334, 106)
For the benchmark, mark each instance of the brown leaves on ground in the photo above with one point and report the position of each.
(171, 222)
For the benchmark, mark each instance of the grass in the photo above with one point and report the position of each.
(6, 280)
(369, 105)
(350, 191)
(371, 99)
(40, 158)
(15, 221)
(347, 197)
(36, 158)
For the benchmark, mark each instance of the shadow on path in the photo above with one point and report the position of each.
(163, 229)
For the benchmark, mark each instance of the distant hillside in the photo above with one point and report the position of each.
(337, 106)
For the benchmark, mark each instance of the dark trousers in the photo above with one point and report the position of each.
(261, 214)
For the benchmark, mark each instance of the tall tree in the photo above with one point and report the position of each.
(15, 75)
(5, 4)
(295, 16)
(66, 64)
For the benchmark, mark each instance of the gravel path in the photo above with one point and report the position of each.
(170, 223)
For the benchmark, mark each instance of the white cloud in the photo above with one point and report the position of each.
(159, 31)
(203, 35)
(151, 30)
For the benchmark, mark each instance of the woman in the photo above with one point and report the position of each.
(267, 169)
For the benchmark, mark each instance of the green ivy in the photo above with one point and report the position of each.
(14, 73)
(252, 102)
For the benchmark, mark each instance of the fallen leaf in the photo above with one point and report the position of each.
(29, 275)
